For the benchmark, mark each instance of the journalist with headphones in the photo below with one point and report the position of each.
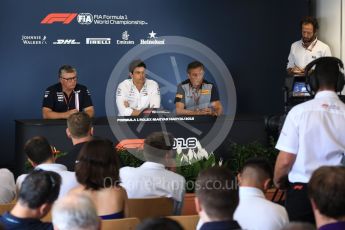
(312, 136)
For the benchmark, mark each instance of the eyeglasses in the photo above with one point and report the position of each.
(69, 79)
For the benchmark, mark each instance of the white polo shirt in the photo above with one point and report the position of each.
(68, 179)
(255, 212)
(152, 179)
(301, 56)
(315, 132)
(7, 186)
(148, 97)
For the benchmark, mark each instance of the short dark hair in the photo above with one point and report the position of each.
(39, 187)
(327, 188)
(327, 73)
(67, 69)
(38, 149)
(156, 145)
(79, 124)
(298, 226)
(159, 223)
(97, 165)
(216, 190)
(261, 166)
(136, 63)
(194, 64)
(310, 20)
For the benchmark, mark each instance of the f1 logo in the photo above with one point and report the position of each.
(65, 18)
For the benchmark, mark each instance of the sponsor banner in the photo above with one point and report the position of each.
(66, 42)
(88, 19)
(98, 41)
(125, 39)
(152, 40)
(64, 18)
(34, 39)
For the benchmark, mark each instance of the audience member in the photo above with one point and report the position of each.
(312, 136)
(158, 224)
(196, 96)
(298, 226)
(36, 196)
(7, 186)
(137, 93)
(254, 179)
(97, 171)
(66, 97)
(216, 199)
(151, 178)
(40, 156)
(326, 190)
(79, 130)
(75, 212)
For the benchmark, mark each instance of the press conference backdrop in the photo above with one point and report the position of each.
(252, 38)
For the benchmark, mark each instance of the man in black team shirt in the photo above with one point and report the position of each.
(79, 130)
(66, 97)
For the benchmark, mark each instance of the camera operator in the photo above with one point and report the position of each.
(313, 135)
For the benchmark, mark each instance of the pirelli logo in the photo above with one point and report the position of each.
(205, 91)
(98, 41)
(64, 18)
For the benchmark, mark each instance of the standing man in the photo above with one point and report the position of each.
(307, 49)
(196, 96)
(313, 135)
(67, 97)
(138, 93)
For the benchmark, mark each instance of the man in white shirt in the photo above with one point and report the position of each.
(41, 157)
(313, 135)
(7, 186)
(151, 178)
(254, 179)
(138, 93)
(307, 49)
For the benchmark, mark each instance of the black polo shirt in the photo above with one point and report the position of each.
(58, 101)
(14, 223)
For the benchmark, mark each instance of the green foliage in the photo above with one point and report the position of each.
(241, 152)
(190, 164)
(129, 159)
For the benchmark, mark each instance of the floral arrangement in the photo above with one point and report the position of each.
(192, 161)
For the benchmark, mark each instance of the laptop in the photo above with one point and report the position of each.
(299, 88)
